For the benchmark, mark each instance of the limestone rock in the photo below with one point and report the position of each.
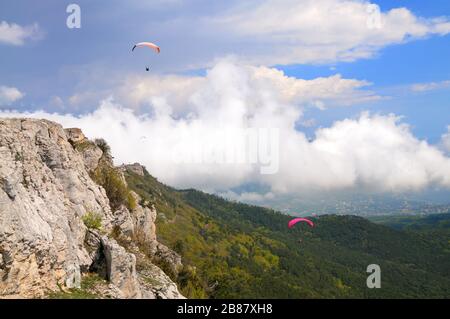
(90, 152)
(144, 221)
(135, 168)
(75, 135)
(137, 225)
(155, 284)
(121, 269)
(91, 156)
(169, 256)
(45, 190)
(124, 223)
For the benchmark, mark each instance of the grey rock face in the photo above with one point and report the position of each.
(45, 190)
(123, 221)
(91, 156)
(134, 168)
(172, 258)
(121, 269)
(144, 221)
(156, 284)
(75, 135)
(91, 153)
(137, 225)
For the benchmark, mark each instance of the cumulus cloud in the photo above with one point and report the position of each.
(371, 152)
(333, 90)
(180, 91)
(14, 34)
(316, 31)
(445, 141)
(9, 95)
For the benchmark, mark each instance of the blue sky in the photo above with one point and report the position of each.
(49, 66)
(55, 69)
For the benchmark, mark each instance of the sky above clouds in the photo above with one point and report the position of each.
(358, 90)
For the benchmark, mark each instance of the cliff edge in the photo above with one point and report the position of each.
(66, 216)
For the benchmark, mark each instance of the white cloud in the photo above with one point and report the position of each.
(445, 141)
(316, 31)
(14, 34)
(248, 197)
(179, 92)
(431, 86)
(9, 95)
(332, 90)
(138, 91)
(372, 152)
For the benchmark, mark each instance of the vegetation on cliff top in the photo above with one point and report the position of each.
(108, 176)
(91, 285)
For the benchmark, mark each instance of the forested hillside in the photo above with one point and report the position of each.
(415, 222)
(234, 250)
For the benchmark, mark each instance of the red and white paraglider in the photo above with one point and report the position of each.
(150, 45)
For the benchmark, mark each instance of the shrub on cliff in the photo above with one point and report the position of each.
(116, 190)
(92, 220)
(103, 145)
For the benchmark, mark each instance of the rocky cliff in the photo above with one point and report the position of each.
(66, 215)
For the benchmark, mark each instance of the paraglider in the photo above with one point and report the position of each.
(150, 45)
(297, 220)
(294, 221)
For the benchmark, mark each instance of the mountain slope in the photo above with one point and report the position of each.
(242, 251)
(415, 222)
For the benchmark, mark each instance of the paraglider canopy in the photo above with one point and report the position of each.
(298, 220)
(148, 45)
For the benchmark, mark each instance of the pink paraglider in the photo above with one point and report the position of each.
(148, 45)
(297, 220)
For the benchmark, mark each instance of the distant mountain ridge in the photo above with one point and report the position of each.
(365, 205)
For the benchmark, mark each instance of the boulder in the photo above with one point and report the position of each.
(135, 168)
(121, 268)
(74, 135)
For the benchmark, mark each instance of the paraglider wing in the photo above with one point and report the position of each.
(297, 220)
(148, 45)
